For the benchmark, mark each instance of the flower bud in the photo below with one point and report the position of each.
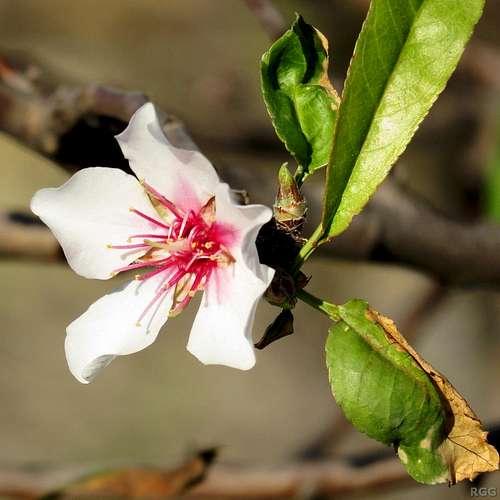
(290, 206)
(279, 328)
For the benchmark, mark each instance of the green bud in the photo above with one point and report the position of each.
(290, 206)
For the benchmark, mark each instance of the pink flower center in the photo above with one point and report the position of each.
(185, 251)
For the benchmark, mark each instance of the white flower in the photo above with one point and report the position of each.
(180, 226)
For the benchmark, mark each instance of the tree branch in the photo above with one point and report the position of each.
(395, 227)
(400, 229)
(302, 480)
(198, 478)
(269, 17)
(22, 236)
(305, 480)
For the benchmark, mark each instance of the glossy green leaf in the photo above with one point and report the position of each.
(394, 396)
(406, 51)
(384, 393)
(300, 100)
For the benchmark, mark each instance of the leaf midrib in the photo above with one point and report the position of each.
(374, 114)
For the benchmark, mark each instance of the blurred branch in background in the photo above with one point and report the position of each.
(198, 479)
(130, 482)
(483, 63)
(396, 227)
(21, 236)
(303, 480)
(269, 17)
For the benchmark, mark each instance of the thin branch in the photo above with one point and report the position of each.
(327, 440)
(400, 229)
(22, 237)
(395, 227)
(301, 480)
(482, 62)
(305, 479)
(270, 18)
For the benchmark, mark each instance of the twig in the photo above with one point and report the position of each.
(301, 480)
(400, 229)
(21, 236)
(482, 62)
(269, 17)
(326, 442)
(431, 301)
(395, 227)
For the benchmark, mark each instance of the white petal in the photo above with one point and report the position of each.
(91, 211)
(185, 177)
(247, 221)
(222, 330)
(109, 328)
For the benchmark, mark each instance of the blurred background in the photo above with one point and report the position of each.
(199, 60)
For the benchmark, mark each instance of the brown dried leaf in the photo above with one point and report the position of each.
(140, 482)
(465, 449)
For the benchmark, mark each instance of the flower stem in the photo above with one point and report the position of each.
(330, 310)
(309, 247)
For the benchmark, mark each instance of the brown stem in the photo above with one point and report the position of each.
(269, 17)
(395, 227)
(301, 480)
(22, 237)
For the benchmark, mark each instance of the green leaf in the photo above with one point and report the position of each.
(394, 396)
(405, 53)
(383, 393)
(299, 97)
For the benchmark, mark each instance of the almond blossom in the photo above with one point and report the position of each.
(178, 228)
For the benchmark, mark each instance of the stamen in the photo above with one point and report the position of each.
(184, 257)
(190, 263)
(164, 201)
(127, 247)
(162, 236)
(180, 306)
(184, 222)
(144, 277)
(156, 244)
(171, 246)
(168, 275)
(151, 304)
(195, 287)
(192, 234)
(130, 267)
(148, 218)
(178, 275)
